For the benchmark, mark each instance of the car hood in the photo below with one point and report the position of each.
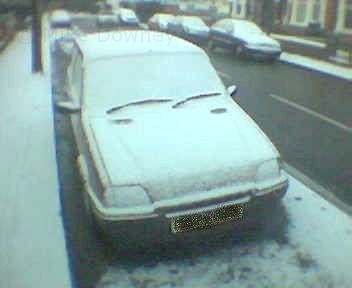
(197, 28)
(259, 39)
(178, 152)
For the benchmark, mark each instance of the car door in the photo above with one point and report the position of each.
(219, 34)
(237, 38)
(76, 94)
(175, 27)
(153, 23)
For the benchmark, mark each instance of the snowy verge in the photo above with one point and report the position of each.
(314, 252)
(298, 40)
(32, 242)
(317, 65)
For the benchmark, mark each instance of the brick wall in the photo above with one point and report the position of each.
(331, 14)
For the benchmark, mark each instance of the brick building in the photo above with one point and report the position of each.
(333, 15)
(329, 20)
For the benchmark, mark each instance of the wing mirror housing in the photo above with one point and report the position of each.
(232, 90)
(67, 107)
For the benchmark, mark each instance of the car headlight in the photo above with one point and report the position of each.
(268, 170)
(127, 196)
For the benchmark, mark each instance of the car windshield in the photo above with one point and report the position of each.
(128, 14)
(193, 21)
(247, 28)
(165, 18)
(153, 77)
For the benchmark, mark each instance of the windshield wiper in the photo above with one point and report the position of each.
(143, 102)
(178, 104)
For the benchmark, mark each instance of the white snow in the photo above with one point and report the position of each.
(123, 43)
(60, 17)
(299, 40)
(253, 35)
(317, 65)
(320, 229)
(317, 254)
(246, 27)
(32, 244)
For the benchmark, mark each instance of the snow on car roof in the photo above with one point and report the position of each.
(124, 43)
(127, 12)
(60, 15)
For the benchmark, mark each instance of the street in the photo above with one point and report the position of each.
(306, 115)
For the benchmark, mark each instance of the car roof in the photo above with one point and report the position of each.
(164, 15)
(105, 45)
(240, 21)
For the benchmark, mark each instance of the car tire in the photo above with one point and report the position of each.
(239, 51)
(91, 221)
(211, 45)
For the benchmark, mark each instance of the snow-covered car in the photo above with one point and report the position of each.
(164, 147)
(160, 21)
(60, 19)
(191, 28)
(245, 38)
(107, 20)
(127, 17)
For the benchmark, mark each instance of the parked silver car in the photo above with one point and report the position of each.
(161, 142)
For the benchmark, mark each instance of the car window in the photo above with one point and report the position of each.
(247, 27)
(229, 27)
(193, 21)
(220, 24)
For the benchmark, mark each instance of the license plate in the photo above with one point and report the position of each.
(208, 219)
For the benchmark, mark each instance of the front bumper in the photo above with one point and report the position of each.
(259, 53)
(201, 39)
(158, 226)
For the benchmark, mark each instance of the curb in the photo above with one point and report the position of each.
(321, 191)
(344, 74)
(6, 42)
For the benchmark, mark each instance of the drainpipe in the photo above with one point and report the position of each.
(37, 65)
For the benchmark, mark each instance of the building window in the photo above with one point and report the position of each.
(348, 15)
(316, 11)
(288, 13)
(301, 11)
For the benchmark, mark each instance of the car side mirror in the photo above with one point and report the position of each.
(67, 107)
(232, 90)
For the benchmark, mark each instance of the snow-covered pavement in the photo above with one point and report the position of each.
(299, 40)
(316, 253)
(32, 243)
(317, 65)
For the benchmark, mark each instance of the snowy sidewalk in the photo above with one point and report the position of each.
(299, 40)
(32, 242)
(317, 65)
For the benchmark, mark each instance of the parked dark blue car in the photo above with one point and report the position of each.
(191, 28)
(245, 38)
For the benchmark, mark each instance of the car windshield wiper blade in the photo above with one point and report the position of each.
(143, 102)
(200, 96)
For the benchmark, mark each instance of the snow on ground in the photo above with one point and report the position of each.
(317, 65)
(316, 253)
(299, 40)
(32, 244)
